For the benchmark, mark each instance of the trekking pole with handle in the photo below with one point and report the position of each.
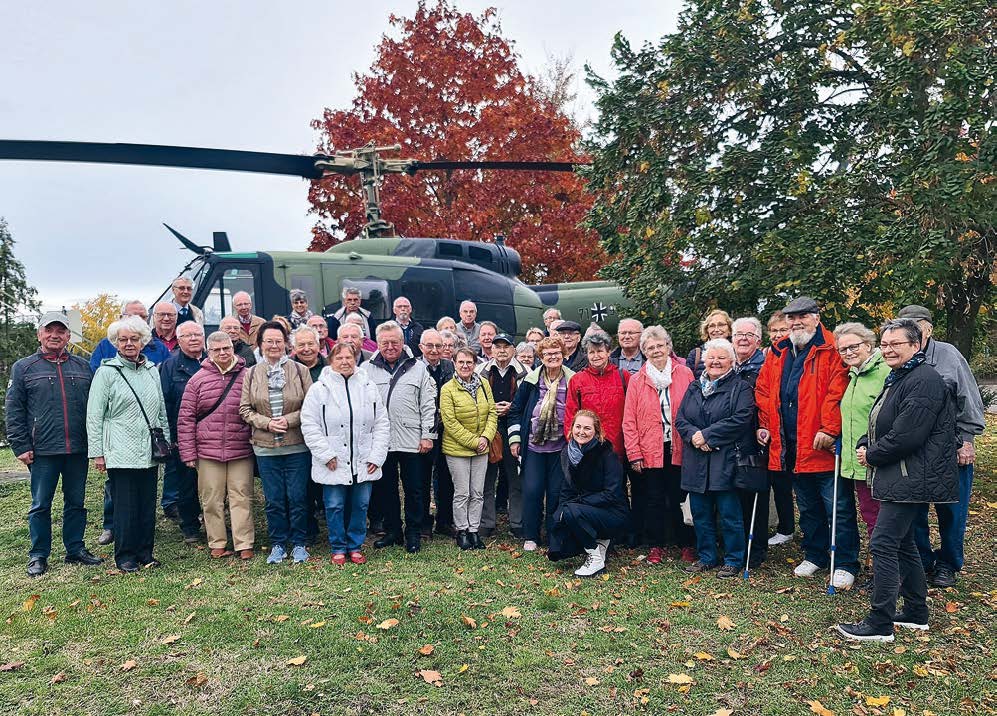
(834, 513)
(751, 537)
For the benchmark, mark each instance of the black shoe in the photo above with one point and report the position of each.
(699, 566)
(37, 566)
(516, 532)
(487, 532)
(106, 538)
(463, 540)
(412, 544)
(129, 567)
(901, 618)
(446, 530)
(171, 512)
(388, 540)
(476, 541)
(862, 631)
(377, 527)
(84, 557)
(727, 571)
(944, 576)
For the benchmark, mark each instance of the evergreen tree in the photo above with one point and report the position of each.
(17, 297)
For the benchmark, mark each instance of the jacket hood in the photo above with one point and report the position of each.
(874, 361)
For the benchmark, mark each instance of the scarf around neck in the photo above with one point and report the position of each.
(709, 386)
(661, 378)
(275, 374)
(898, 373)
(576, 452)
(548, 425)
(472, 385)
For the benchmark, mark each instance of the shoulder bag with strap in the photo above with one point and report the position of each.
(161, 448)
(221, 399)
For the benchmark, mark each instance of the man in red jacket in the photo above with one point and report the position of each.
(798, 391)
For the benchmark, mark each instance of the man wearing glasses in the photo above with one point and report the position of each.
(627, 355)
(441, 371)
(183, 292)
(798, 391)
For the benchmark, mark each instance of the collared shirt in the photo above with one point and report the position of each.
(184, 313)
(631, 365)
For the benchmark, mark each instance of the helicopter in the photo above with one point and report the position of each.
(435, 274)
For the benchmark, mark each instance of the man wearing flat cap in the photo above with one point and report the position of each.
(46, 426)
(941, 565)
(571, 333)
(798, 391)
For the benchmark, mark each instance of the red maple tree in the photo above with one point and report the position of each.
(448, 86)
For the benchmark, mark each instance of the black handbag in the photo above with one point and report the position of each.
(161, 448)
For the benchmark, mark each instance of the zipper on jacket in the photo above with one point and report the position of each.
(349, 404)
(903, 468)
(65, 404)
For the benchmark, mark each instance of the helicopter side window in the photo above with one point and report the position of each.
(218, 303)
(374, 296)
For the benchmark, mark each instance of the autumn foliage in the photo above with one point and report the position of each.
(446, 85)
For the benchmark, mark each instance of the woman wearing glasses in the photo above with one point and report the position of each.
(716, 324)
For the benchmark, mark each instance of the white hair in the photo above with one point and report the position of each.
(218, 337)
(388, 326)
(354, 318)
(348, 324)
(719, 344)
(133, 324)
(188, 325)
(751, 321)
(126, 304)
(303, 329)
(654, 332)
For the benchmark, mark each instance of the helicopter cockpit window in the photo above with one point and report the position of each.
(449, 250)
(374, 296)
(218, 303)
(478, 254)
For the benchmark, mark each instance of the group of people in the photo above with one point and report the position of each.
(581, 442)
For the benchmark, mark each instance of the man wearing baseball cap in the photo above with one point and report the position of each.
(941, 565)
(571, 333)
(46, 426)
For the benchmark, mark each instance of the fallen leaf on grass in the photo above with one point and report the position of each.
(591, 681)
(877, 700)
(432, 677)
(427, 649)
(296, 661)
(682, 605)
(29, 603)
(198, 680)
(951, 607)
(511, 613)
(152, 602)
(316, 625)
(784, 618)
(57, 679)
(703, 656)
(818, 708)
(468, 621)
(725, 623)
(129, 665)
(11, 666)
(735, 654)
(281, 618)
(190, 618)
(680, 679)
(722, 712)
(388, 624)
(196, 583)
(170, 639)
(463, 668)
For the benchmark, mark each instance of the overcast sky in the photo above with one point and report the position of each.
(235, 75)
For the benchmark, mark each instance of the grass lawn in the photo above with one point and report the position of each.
(493, 632)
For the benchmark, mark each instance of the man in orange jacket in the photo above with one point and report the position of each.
(798, 391)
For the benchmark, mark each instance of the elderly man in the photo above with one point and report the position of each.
(797, 392)
(351, 305)
(468, 328)
(943, 564)
(305, 346)
(551, 315)
(441, 371)
(183, 292)
(230, 324)
(504, 374)
(322, 329)
(46, 409)
(179, 500)
(627, 355)
(164, 324)
(411, 329)
(747, 339)
(571, 333)
(155, 351)
(351, 333)
(410, 397)
(486, 334)
(249, 324)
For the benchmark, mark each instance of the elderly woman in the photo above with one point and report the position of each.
(469, 417)
(536, 420)
(592, 509)
(716, 424)
(526, 354)
(867, 370)
(214, 439)
(909, 451)
(272, 393)
(778, 327)
(534, 335)
(125, 403)
(322, 329)
(358, 320)
(300, 313)
(652, 403)
(716, 324)
(450, 341)
(446, 324)
(346, 428)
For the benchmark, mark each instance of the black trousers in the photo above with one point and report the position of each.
(782, 489)
(758, 535)
(410, 467)
(437, 477)
(896, 565)
(134, 494)
(663, 523)
(638, 499)
(188, 504)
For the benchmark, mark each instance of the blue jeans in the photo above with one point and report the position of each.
(814, 497)
(726, 505)
(285, 488)
(172, 473)
(45, 471)
(951, 527)
(345, 538)
(542, 478)
(108, 504)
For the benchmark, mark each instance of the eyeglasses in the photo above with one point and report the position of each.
(552, 356)
(272, 342)
(222, 349)
(745, 335)
(129, 339)
(628, 333)
(895, 345)
(432, 346)
(854, 348)
(160, 314)
(716, 325)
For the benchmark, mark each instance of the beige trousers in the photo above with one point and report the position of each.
(234, 479)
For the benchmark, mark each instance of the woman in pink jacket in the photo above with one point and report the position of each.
(652, 403)
(214, 439)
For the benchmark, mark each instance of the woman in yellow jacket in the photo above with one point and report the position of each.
(469, 423)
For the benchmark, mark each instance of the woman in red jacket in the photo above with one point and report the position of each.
(652, 403)
(214, 439)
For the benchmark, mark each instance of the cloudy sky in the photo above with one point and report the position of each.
(237, 75)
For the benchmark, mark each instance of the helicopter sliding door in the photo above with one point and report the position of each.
(227, 279)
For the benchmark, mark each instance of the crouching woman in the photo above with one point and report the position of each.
(592, 509)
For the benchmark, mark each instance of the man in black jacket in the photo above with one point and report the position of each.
(230, 324)
(441, 371)
(411, 329)
(46, 425)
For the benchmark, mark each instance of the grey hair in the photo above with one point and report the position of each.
(218, 337)
(354, 318)
(388, 326)
(351, 291)
(188, 325)
(907, 325)
(348, 324)
(133, 324)
(719, 344)
(458, 338)
(552, 312)
(750, 320)
(303, 329)
(492, 324)
(296, 293)
(856, 329)
(526, 346)
(126, 304)
(654, 332)
(597, 338)
(445, 318)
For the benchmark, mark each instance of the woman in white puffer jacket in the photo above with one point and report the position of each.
(345, 425)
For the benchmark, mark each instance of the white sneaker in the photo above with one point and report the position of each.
(779, 538)
(806, 568)
(529, 546)
(603, 546)
(594, 563)
(842, 579)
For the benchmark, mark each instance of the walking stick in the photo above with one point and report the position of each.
(751, 536)
(834, 514)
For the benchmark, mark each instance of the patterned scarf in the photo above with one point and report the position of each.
(275, 374)
(299, 319)
(576, 452)
(897, 373)
(472, 385)
(548, 426)
(709, 386)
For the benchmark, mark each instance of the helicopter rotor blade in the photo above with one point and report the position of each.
(164, 156)
(501, 165)
(190, 245)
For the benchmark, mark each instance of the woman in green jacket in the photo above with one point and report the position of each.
(124, 394)
(469, 423)
(866, 372)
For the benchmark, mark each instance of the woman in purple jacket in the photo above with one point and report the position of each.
(214, 439)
